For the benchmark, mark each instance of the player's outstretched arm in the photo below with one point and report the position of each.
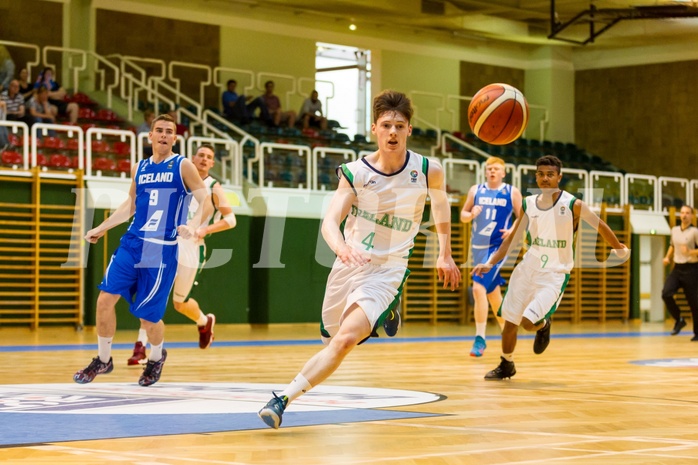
(518, 229)
(582, 211)
(446, 268)
(122, 213)
(227, 220)
(470, 211)
(516, 202)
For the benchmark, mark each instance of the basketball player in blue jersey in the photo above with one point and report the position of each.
(550, 219)
(143, 267)
(382, 199)
(490, 207)
(192, 256)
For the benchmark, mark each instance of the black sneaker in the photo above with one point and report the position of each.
(96, 367)
(392, 323)
(505, 370)
(542, 338)
(680, 323)
(152, 371)
(694, 339)
(272, 412)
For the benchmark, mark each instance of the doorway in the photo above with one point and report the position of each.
(343, 81)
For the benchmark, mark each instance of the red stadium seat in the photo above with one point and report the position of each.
(82, 99)
(121, 149)
(106, 115)
(86, 126)
(103, 164)
(11, 158)
(124, 166)
(73, 144)
(53, 143)
(41, 160)
(100, 146)
(58, 160)
(86, 114)
(14, 140)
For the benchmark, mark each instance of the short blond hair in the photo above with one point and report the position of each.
(493, 160)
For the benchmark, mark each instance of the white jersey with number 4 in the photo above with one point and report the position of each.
(386, 214)
(550, 234)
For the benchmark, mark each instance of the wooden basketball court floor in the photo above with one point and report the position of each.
(601, 394)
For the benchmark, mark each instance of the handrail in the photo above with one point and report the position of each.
(220, 69)
(202, 85)
(651, 180)
(178, 96)
(76, 69)
(98, 133)
(326, 106)
(322, 152)
(301, 149)
(15, 125)
(44, 127)
(233, 156)
(278, 76)
(663, 180)
(144, 76)
(450, 137)
(37, 54)
(245, 137)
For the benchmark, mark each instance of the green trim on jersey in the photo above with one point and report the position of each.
(392, 304)
(349, 176)
(562, 291)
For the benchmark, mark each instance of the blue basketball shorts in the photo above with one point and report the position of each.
(491, 279)
(142, 272)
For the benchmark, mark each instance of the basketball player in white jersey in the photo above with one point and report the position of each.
(490, 207)
(382, 199)
(192, 256)
(536, 286)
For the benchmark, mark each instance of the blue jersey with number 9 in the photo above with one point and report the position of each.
(160, 199)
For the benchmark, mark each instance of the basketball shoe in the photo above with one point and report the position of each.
(138, 354)
(680, 323)
(206, 331)
(479, 347)
(152, 371)
(540, 343)
(272, 412)
(96, 367)
(392, 323)
(506, 369)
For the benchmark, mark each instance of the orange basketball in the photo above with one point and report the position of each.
(498, 114)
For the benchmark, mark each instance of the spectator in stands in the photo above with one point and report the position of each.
(7, 68)
(4, 140)
(182, 129)
(14, 103)
(148, 117)
(40, 109)
(241, 108)
(273, 105)
(56, 95)
(26, 88)
(311, 112)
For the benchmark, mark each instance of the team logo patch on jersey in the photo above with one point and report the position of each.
(413, 175)
(562, 210)
(370, 183)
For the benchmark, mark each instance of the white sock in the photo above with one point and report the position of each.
(508, 357)
(142, 336)
(203, 319)
(480, 329)
(298, 387)
(156, 352)
(104, 348)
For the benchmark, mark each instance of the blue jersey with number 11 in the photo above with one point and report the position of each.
(160, 199)
(496, 215)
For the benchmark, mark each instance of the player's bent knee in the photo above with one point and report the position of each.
(527, 325)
